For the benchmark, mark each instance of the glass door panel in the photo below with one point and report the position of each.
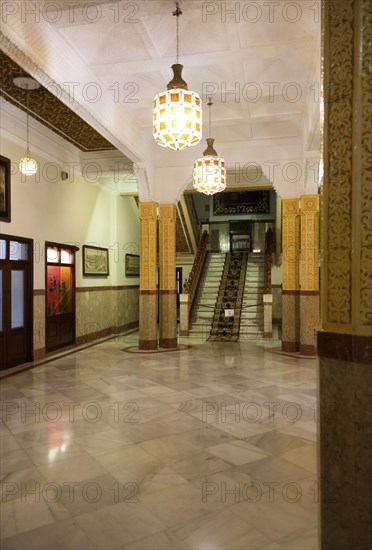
(18, 251)
(59, 290)
(17, 315)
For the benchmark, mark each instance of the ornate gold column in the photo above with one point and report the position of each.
(167, 288)
(290, 291)
(345, 341)
(309, 273)
(148, 293)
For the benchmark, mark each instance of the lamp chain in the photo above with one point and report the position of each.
(27, 123)
(177, 13)
(210, 115)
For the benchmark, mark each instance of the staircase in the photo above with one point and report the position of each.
(230, 296)
(202, 315)
(251, 322)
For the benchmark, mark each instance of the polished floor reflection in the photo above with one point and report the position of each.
(212, 447)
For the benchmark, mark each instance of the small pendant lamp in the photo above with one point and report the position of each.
(27, 165)
(209, 171)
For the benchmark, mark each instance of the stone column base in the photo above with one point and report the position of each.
(148, 325)
(309, 314)
(168, 318)
(291, 321)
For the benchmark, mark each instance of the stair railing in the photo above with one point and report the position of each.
(268, 298)
(268, 260)
(188, 295)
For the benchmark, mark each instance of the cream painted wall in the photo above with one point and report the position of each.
(70, 212)
(76, 211)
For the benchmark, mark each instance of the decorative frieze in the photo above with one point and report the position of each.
(167, 246)
(148, 222)
(347, 228)
(309, 265)
(290, 243)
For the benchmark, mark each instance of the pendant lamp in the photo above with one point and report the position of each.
(209, 171)
(177, 112)
(27, 165)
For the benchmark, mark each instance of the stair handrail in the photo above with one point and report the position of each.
(197, 268)
(268, 259)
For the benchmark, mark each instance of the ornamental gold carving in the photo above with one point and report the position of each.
(365, 168)
(309, 205)
(338, 85)
(148, 223)
(167, 246)
(290, 243)
(346, 272)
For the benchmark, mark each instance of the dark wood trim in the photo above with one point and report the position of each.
(168, 292)
(57, 354)
(60, 318)
(39, 291)
(309, 293)
(345, 347)
(267, 335)
(276, 286)
(104, 288)
(28, 267)
(42, 291)
(150, 292)
(6, 215)
(61, 245)
(291, 292)
(106, 332)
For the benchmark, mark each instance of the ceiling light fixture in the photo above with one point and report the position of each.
(177, 114)
(27, 165)
(209, 171)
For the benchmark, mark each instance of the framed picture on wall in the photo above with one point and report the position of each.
(95, 261)
(4, 189)
(132, 265)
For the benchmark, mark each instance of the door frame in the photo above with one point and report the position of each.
(29, 289)
(74, 249)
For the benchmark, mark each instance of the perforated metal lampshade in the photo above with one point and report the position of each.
(209, 172)
(177, 114)
(28, 166)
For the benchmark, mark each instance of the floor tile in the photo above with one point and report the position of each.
(174, 458)
(237, 452)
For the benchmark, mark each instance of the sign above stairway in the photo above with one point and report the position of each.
(242, 202)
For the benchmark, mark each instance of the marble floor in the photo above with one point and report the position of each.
(211, 447)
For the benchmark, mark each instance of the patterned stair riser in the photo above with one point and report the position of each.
(230, 296)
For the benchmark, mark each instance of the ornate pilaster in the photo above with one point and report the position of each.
(290, 292)
(148, 292)
(345, 341)
(309, 273)
(167, 264)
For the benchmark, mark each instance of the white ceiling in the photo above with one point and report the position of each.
(260, 64)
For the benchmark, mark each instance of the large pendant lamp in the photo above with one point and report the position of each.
(177, 114)
(27, 165)
(209, 171)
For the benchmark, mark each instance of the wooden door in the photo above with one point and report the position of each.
(16, 301)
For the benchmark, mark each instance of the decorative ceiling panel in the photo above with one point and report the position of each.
(49, 110)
